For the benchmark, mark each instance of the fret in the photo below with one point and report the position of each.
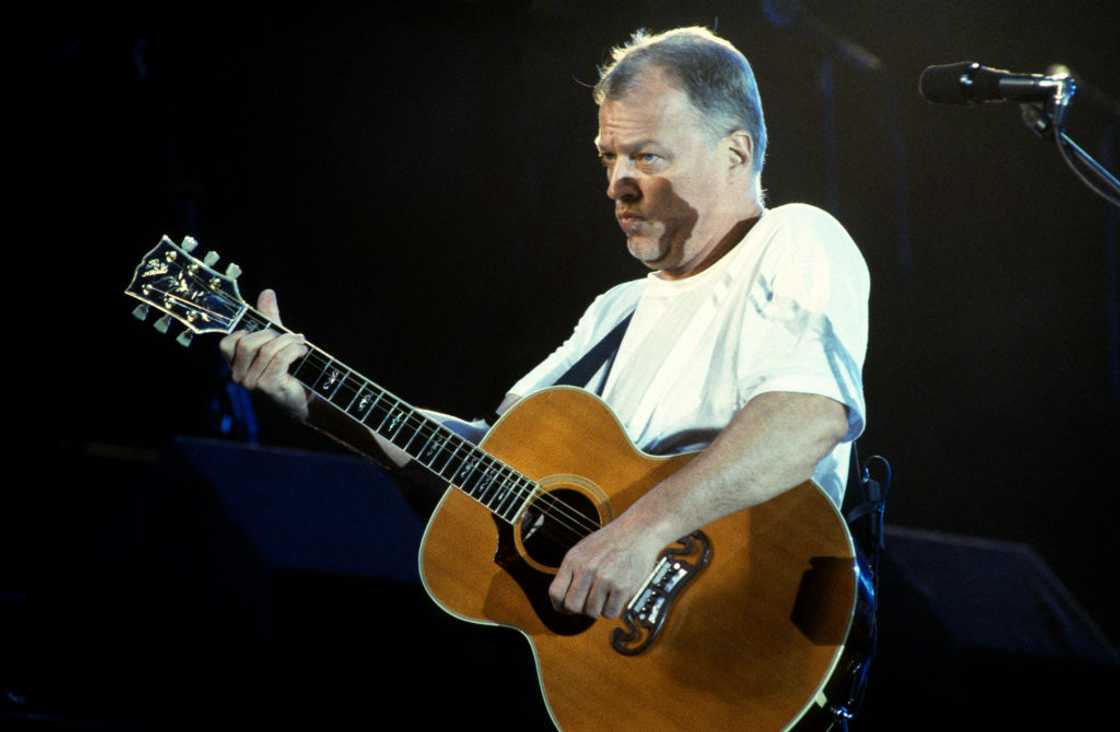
(297, 369)
(485, 477)
(491, 485)
(420, 451)
(365, 401)
(508, 488)
(235, 323)
(481, 475)
(444, 455)
(520, 499)
(447, 471)
(406, 428)
(329, 382)
(497, 487)
(357, 393)
(386, 419)
(466, 469)
(482, 487)
(320, 375)
(424, 422)
(478, 471)
(430, 449)
(504, 489)
(252, 325)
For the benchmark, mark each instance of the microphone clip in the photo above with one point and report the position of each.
(1043, 118)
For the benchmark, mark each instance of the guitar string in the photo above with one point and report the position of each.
(424, 429)
(559, 511)
(498, 490)
(168, 294)
(561, 514)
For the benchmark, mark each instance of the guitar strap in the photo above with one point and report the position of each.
(603, 352)
(582, 370)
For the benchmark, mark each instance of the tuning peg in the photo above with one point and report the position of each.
(141, 311)
(210, 259)
(189, 244)
(163, 324)
(233, 271)
(184, 338)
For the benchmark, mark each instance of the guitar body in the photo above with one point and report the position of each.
(749, 643)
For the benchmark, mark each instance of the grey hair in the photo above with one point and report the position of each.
(717, 78)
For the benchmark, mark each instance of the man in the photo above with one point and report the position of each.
(747, 339)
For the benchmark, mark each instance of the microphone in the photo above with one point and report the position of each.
(968, 82)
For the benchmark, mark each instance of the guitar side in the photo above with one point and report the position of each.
(750, 643)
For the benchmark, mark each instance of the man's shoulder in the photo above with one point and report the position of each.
(801, 216)
(808, 230)
(809, 251)
(621, 298)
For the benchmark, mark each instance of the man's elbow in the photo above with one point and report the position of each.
(811, 425)
(832, 425)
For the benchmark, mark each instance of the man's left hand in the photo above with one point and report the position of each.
(602, 573)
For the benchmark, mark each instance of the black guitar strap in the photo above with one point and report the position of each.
(582, 370)
(603, 352)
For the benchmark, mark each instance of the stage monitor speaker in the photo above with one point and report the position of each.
(975, 629)
(336, 514)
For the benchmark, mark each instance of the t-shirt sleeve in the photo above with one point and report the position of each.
(805, 329)
(471, 431)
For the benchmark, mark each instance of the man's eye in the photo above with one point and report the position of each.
(606, 158)
(649, 157)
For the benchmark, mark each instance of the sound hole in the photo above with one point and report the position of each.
(554, 523)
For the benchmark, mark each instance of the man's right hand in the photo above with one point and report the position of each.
(260, 361)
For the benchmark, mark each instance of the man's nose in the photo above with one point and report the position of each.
(621, 185)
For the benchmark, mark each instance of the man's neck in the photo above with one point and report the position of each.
(725, 244)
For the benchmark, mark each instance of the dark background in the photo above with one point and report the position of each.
(419, 185)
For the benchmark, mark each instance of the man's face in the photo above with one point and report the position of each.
(665, 173)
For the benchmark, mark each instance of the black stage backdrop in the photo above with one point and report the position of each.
(419, 184)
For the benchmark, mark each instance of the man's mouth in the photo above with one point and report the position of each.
(629, 222)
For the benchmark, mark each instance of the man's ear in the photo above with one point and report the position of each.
(741, 148)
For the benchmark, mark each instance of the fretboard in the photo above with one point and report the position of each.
(452, 458)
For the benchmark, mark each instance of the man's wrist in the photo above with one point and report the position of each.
(309, 410)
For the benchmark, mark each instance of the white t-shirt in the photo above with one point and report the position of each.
(784, 310)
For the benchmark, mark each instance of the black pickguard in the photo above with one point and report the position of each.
(534, 584)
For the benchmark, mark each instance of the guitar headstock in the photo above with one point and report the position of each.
(170, 279)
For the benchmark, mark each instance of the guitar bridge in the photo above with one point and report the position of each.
(646, 614)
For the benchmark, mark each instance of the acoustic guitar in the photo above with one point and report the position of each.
(743, 624)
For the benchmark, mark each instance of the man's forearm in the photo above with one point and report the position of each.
(341, 428)
(773, 444)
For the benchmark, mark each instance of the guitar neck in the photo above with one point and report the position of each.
(497, 486)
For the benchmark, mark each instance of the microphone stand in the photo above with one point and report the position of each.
(1047, 119)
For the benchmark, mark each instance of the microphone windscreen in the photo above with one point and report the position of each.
(942, 84)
